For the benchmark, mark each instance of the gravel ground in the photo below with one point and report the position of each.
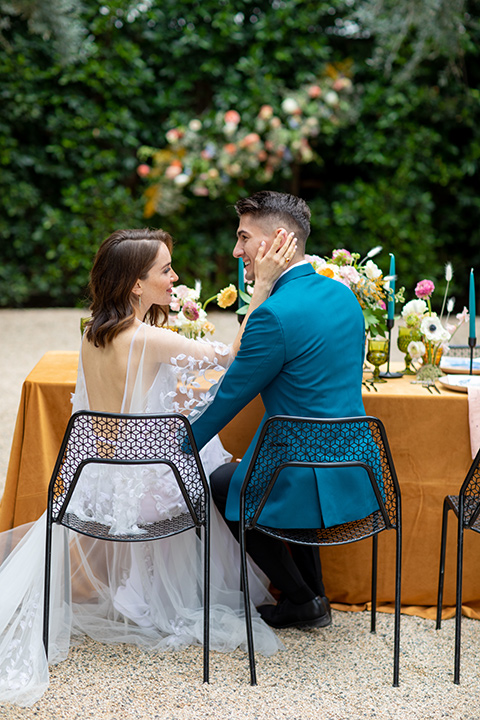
(338, 673)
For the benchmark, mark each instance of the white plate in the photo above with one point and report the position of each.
(451, 364)
(460, 383)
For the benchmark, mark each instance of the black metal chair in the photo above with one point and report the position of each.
(106, 438)
(466, 507)
(358, 442)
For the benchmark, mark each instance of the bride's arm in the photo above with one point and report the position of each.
(177, 350)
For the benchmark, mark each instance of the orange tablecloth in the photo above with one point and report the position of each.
(428, 436)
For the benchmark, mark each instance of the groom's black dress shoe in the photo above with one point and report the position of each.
(314, 613)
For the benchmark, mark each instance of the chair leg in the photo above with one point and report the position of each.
(373, 612)
(458, 598)
(441, 572)
(398, 598)
(46, 584)
(206, 601)
(248, 612)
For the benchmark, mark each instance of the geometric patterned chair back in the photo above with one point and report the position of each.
(117, 439)
(322, 443)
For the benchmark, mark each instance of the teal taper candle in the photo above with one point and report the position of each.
(471, 306)
(391, 293)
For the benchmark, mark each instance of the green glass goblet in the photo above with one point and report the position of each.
(377, 354)
(405, 337)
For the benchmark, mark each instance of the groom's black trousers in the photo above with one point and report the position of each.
(297, 574)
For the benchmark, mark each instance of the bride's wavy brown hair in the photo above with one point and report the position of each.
(123, 258)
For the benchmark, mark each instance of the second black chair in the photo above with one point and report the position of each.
(358, 442)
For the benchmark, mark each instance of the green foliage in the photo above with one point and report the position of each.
(403, 173)
(56, 20)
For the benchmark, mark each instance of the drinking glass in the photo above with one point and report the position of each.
(377, 354)
(405, 337)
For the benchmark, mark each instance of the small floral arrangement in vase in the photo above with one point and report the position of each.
(366, 281)
(429, 336)
(189, 316)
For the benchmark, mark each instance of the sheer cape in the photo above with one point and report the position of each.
(146, 593)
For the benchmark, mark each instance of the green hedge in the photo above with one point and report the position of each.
(403, 174)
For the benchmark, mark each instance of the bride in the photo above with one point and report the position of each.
(148, 593)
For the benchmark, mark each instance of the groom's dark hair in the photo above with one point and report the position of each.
(280, 209)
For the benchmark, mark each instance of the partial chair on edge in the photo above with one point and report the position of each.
(324, 443)
(115, 439)
(466, 507)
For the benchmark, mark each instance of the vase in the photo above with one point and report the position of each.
(405, 336)
(430, 369)
(433, 353)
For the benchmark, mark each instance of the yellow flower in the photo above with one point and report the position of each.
(227, 296)
(326, 271)
(208, 327)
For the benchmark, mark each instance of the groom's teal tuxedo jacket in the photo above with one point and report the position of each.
(303, 350)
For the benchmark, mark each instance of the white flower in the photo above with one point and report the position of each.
(414, 307)
(185, 293)
(348, 272)
(433, 329)
(181, 179)
(372, 271)
(289, 105)
(195, 125)
(448, 272)
(315, 260)
(450, 304)
(331, 98)
(374, 251)
(416, 349)
(463, 316)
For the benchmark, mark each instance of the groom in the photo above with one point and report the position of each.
(303, 350)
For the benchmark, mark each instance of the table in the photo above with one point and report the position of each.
(429, 438)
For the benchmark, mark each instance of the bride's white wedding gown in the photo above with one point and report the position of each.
(147, 593)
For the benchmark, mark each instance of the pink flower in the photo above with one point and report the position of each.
(314, 91)
(266, 112)
(230, 148)
(173, 170)
(143, 170)
(200, 191)
(463, 316)
(182, 291)
(175, 305)
(424, 289)
(342, 83)
(173, 135)
(232, 116)
(342, 257)
(249, 139)
(190, 310)
(350, 273)
(382, 304)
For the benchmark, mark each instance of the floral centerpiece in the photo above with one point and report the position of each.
(429, 336)
(188, 315)
(209, 155)
(366, 281)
